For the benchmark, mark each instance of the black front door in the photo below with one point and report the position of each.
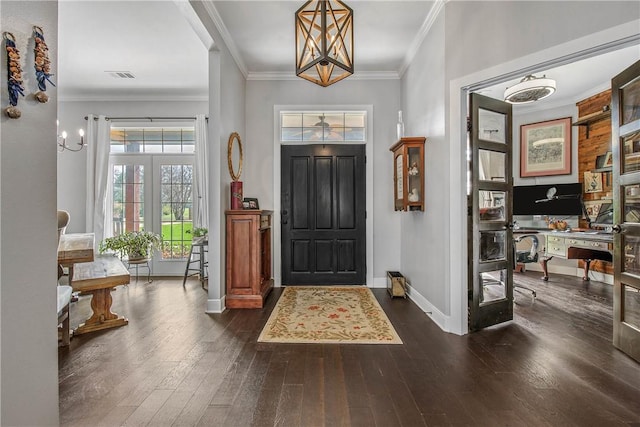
(323, 215)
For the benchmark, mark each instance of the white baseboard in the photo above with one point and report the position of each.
(379, 282)
(429, 309)
(215, 306)
(440, 319)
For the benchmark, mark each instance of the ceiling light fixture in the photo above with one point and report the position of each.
(324, 41)
(530, 89)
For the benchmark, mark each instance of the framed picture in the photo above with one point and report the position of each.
(592, 182)
(250, 203)
(593, 208)
(545, 148)
(608, 159)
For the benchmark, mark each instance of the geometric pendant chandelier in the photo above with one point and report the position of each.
(530, 89)
(324, 41)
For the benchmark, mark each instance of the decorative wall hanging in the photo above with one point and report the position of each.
(592, 182)
(14, 75)
(545, 148)
(234, 159)
(42, 64)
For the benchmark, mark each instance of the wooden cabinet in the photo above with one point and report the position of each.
(408, 174)
(248, 258)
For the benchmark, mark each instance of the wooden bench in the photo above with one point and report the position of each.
(98, 278)
(64, 297)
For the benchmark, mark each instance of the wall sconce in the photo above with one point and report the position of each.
(62, 141)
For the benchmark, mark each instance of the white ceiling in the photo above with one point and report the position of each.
(152, 40)
(158, 43)
(575, 81)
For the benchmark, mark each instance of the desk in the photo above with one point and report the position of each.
(98, 278)
(74, 248)
(584, 245)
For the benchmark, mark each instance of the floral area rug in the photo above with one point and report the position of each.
(328, 314)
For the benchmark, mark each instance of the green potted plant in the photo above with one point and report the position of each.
(198, 233)
(136, 245)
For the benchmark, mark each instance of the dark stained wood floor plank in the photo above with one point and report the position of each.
(336, 408)
(174, 365)
(265, 412)
(288, 413)
(244, 404)
(313, 397)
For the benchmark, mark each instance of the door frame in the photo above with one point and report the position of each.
(592, 45)
(277, 207)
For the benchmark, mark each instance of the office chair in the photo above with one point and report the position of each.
(525, 256)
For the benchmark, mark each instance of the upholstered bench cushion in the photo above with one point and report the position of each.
(64, 297)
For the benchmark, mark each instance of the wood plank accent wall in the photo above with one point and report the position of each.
(597, 144)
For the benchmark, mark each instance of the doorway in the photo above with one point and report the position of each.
(323, 214)
(483, 82)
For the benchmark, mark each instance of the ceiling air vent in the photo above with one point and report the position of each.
(121, 74)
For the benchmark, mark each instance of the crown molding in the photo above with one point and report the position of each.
(437, 7)
(226, 36)
(361, 75)
(96, 97)
(186, 9)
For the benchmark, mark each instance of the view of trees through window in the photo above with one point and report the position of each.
(177, 207)
(156, 174)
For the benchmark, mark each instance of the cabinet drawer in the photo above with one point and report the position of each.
(588, 244)
(557, 248)
(554, 239)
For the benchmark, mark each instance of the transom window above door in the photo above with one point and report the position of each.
(152, 140)
(323, 126)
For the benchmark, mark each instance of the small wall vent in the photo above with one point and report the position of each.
(121, 74)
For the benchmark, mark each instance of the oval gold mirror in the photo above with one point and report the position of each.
(234, 156)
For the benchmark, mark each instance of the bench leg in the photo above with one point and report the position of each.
(64, 321)
(102, 317)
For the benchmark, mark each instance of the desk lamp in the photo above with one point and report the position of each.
(551, 195)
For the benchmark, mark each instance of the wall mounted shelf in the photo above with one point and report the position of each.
(592, 118)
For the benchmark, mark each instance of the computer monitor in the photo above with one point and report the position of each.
(532, 200)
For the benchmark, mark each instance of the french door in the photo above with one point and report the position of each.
(490, 237)
(154, 193)
(625, 129)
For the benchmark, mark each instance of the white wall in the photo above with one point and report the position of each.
(482, 39)
(29, 355)
(72, 167)
(226, 115)
(425, 236)
(542, 115)
(383, 95)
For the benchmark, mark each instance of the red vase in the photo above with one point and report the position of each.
(236, 195)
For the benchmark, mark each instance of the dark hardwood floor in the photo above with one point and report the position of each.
(554, 365)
